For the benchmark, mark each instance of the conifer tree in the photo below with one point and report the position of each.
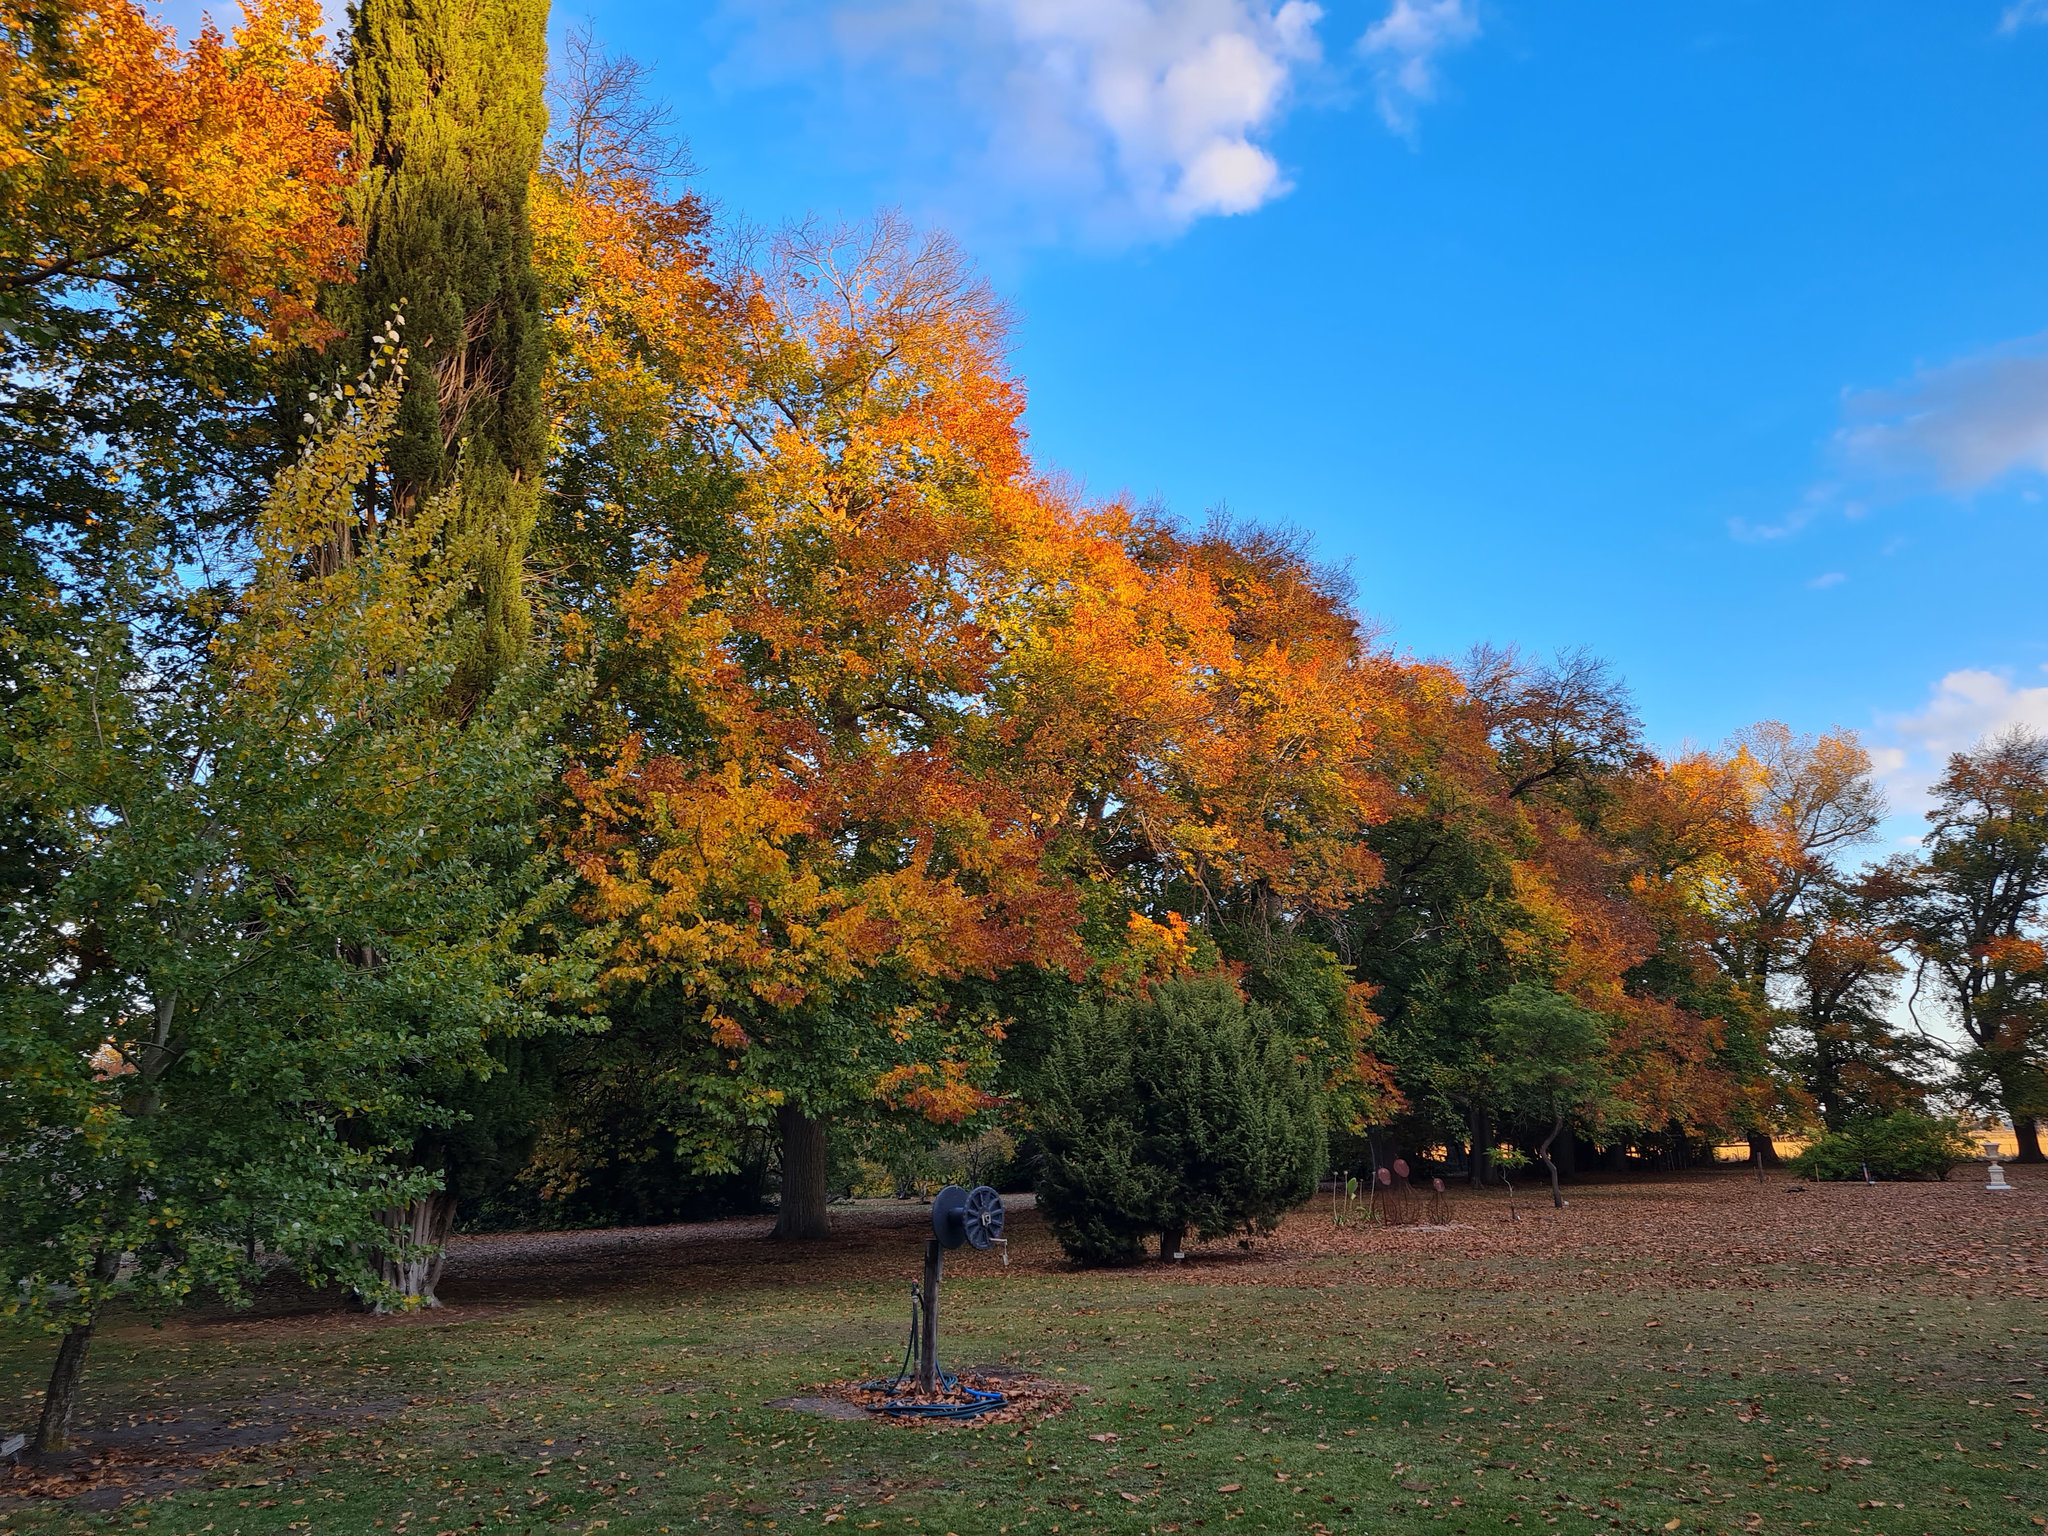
(1179, 1111)
(446, 116)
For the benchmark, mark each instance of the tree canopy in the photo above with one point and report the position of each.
(523, 695)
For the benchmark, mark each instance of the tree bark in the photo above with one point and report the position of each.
(53, 1432)
(419, 1247)
(1171, 1241)
(1543, 1152)
(2026, 1130)
(1763, 1148)
(1476, 1162)
(803, 1216)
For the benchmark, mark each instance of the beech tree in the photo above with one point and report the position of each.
(798, 831)
(167, 213)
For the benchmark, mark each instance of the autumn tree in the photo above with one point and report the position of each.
(803, 836)
(1789, 916)
(1195, 720)
(1529, 858)
(646, 370)
(167, 214)
(1974, 919)
(1839, 1035)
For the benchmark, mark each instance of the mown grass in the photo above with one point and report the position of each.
(1810, 1400)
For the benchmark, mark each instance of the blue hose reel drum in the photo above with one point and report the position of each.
(973, 1217)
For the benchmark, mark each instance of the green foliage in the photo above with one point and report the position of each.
(1905, 1144)
(292, 900)
(1180, 1111)
(1434, 939)
(1544, 1056)
(1316, 1004)
(446, 114)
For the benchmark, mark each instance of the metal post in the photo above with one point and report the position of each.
(928, 1345)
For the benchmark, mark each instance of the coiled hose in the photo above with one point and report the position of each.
(978, 1402)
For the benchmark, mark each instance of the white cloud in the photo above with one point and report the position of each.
(2023, 13)
(1967, 706)
(1404, 46)
(1961, 710)
(1829, 579)
(1120, 119)
(1818, 499)
(1964, 424)
(1145, 114)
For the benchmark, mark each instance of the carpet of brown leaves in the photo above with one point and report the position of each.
(1704, 1230)
(1710, 1230)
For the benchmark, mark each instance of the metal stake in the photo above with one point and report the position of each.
(928, 1346)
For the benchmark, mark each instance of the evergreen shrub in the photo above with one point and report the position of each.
(1905, 1144)
(1184, 1110)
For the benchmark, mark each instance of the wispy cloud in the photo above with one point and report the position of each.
(1121, 119)
(2024, 13)
(1956, 428)
(1404, 46)
(1818, 501)
(1828, 579)
(1963, 425)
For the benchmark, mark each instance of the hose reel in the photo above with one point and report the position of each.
(961, 1218)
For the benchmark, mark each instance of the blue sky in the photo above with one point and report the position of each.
(1711, 336)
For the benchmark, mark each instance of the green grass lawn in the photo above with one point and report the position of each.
(1498, 1384)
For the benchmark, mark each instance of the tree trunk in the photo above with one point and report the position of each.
(419, 1247)
(1763, 1148)
(1543, 1152)
(2026, 1130)
(53, 1433)
(803, 1177)
(1477, 1162)
(1171, 1241)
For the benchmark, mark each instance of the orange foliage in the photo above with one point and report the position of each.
(643, 334)
(218, 164)
(940, 700)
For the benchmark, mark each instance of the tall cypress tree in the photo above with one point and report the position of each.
(445, 108)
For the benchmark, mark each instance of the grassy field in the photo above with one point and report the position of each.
(1697, 1355)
